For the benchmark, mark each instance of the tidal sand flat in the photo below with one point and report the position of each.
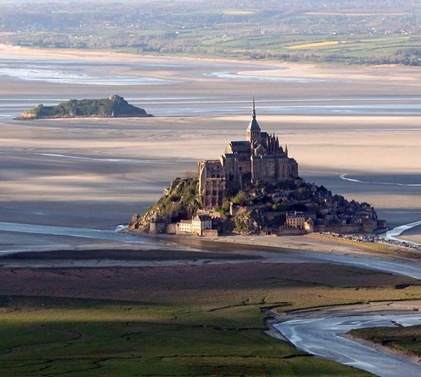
(96, 173)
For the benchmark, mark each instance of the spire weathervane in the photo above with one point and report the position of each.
(254, 107)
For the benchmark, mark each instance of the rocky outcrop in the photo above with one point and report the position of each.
(261, 209)
(180, 201)
(111, 107)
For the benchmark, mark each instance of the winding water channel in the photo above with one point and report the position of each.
(322, 337)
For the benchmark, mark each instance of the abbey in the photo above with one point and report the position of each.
(259, 159)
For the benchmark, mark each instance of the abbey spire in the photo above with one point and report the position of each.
(253, 130)
(259, 159)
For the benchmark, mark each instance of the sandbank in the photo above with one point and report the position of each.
(188, 250)
(394, 72)
(98, 173)
(128, 152)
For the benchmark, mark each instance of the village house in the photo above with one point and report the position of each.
(295, 220)
(197, 225)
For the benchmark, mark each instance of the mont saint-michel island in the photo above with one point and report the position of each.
(112, 107)
(254, 188)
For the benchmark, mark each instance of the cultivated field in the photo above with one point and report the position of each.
(364, 31)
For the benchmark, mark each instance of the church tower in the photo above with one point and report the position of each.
(253, 130)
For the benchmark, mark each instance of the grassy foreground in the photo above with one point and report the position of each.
(401, 339)
(142, 341)
(174, 321)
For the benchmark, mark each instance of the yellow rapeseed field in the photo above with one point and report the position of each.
(314, 45)
(237, 12)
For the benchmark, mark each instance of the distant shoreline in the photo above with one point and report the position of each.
(303, 69)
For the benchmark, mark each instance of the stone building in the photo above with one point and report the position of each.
(212, 183)
(197, 225)
(258, 159)
(295, 220)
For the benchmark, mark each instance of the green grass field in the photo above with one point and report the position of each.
(175, 321)
(402, 339)
(120, 340)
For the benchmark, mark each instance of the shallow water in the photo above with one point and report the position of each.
(193, 106)
(321, 337)
(71, 73)
(407, 180)
(171, 102)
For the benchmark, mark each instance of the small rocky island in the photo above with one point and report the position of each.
(254, 188)
(111, 107)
